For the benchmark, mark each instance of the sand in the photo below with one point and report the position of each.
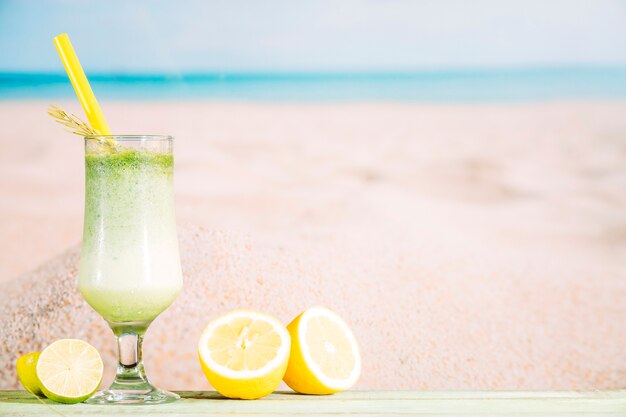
(469, 246)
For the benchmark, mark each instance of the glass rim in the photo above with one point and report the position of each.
(123, 138)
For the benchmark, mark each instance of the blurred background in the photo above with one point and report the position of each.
(449, 175)
(320, 50)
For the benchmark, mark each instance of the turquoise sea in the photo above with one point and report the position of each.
(420, 86)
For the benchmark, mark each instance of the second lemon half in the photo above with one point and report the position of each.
(324, 357)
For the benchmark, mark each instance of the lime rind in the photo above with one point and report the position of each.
(27, 373)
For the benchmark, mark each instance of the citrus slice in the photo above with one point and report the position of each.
(244, 354)
(27, 373)
(70, 371)
(324, 357)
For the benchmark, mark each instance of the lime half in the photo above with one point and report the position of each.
(27, 373)
(70, 371)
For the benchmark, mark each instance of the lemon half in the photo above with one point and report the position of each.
(244, 354)
(324, 356)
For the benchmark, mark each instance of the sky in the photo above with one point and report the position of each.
(182, 36)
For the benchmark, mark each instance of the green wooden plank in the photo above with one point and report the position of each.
(365, 403)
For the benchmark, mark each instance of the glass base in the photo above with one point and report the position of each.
(147, 396)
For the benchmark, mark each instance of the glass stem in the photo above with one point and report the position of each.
(130, 373)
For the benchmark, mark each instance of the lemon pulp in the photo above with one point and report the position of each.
(244, 354)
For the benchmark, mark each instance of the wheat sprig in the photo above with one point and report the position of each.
(75, 124)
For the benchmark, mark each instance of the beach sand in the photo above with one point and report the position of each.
(469, 246)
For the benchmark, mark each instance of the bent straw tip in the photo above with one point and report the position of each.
(60, 37)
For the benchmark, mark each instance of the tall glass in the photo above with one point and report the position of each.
(129, 266)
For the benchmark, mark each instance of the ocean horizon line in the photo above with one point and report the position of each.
(311, 74)
(512, 84)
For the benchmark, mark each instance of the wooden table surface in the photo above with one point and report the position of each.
(361, 403)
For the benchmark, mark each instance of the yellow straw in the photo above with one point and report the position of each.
(81, 85)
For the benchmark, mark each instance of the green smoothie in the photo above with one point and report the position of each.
(130, 267)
